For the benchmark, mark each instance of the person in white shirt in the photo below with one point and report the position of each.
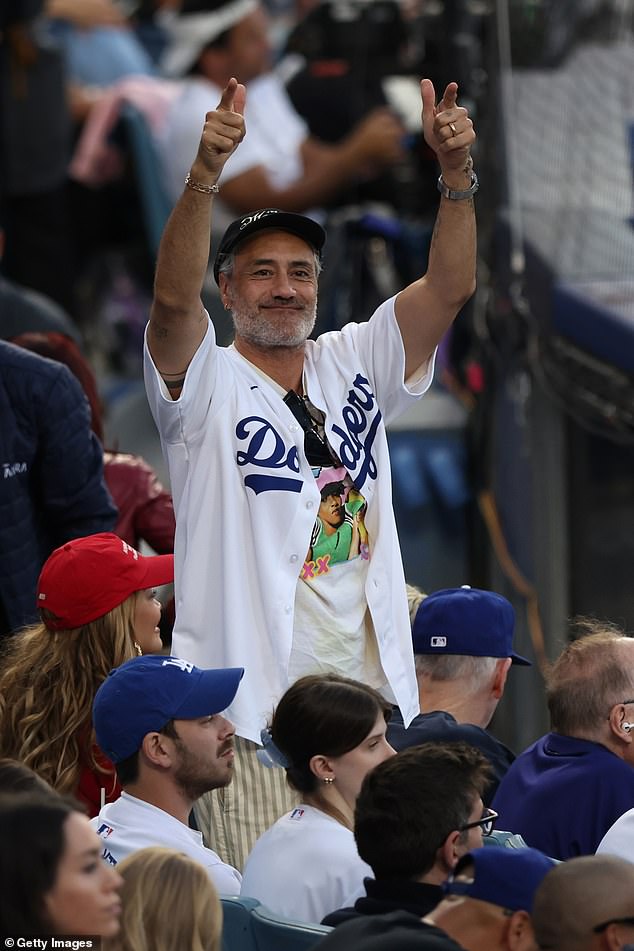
(254, 432)
(327, 732)
(281, 163)
(160, 721)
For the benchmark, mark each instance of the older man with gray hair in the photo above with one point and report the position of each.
(564, 792)
(463, 651)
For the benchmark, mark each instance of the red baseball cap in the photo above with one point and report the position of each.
(87, 577)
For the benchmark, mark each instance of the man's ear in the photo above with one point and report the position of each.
(519, 933)
(157, 750)
(502, 668)
(612, 940)
(450, 851)
(225, 295)
(620, 726)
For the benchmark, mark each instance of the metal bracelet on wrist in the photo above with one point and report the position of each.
(201, 186)
(454, 195)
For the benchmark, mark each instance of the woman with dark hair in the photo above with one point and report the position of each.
(16, 777)
(327, 732)
(53, 878)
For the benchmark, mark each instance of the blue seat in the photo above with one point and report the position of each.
(237, 933)
(273, 933)
(155, 203)
(249, 926)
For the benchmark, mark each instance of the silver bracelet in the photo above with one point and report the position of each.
(201, 187)
(448, 192)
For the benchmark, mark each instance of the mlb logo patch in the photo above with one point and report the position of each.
(438, 641)
(104, 830)
(296, 814)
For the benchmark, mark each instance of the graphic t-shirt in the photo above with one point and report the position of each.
(332, 630)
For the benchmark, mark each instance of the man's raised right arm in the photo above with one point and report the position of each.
(177, 318)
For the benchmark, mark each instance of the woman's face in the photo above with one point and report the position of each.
(84, 899)
(350, 769)
(147, 614)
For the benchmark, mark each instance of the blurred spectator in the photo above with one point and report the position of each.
(463, 651)
(168, 903)
(279, 164)
(159, 719)
(327, 732)
(151, 23)
(98, 610)
(416, 815)
(25, 310)
(586, 904)
(52, 488)
(35, 138)
(98, 42)
(47, 849)
(586, 759)
(145, 509)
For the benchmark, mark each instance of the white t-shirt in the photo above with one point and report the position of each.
(305, 866)
(130, 824)
(332, 627)
(246, 502)
(275, 132)
(619, 839)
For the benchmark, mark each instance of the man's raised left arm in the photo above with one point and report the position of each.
(425, 309)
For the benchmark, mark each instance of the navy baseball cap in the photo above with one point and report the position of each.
(505, 877)
(305, 228)
(145, 693)
(466, 621)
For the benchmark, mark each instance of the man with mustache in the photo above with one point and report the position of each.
(254, 431)
(161, 720)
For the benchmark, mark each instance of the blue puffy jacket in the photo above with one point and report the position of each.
(51, 475)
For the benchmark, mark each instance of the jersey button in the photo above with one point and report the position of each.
(309, 505)
(293, 559)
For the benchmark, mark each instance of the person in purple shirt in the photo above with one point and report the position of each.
(564, 792)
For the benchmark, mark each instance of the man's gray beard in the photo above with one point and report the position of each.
(257, 330)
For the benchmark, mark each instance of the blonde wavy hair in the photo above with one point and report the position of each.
(168, 902)
(48, 681)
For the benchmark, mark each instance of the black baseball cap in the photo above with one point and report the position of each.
(305, 228)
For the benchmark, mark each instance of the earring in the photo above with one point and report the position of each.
(138, 649)
(329, 779)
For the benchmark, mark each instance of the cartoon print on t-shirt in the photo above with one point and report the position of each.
(339, 533)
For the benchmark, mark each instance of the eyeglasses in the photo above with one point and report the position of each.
(620, 703)
(318, 453)
(613, 921)
(486, 823)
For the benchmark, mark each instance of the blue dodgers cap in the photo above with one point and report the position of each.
(505, 877)
(466, 621)
(305, 228)
(143, 694)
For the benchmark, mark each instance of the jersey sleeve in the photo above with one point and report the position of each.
(182, 420)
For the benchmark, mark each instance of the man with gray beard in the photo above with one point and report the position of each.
(256, 432)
